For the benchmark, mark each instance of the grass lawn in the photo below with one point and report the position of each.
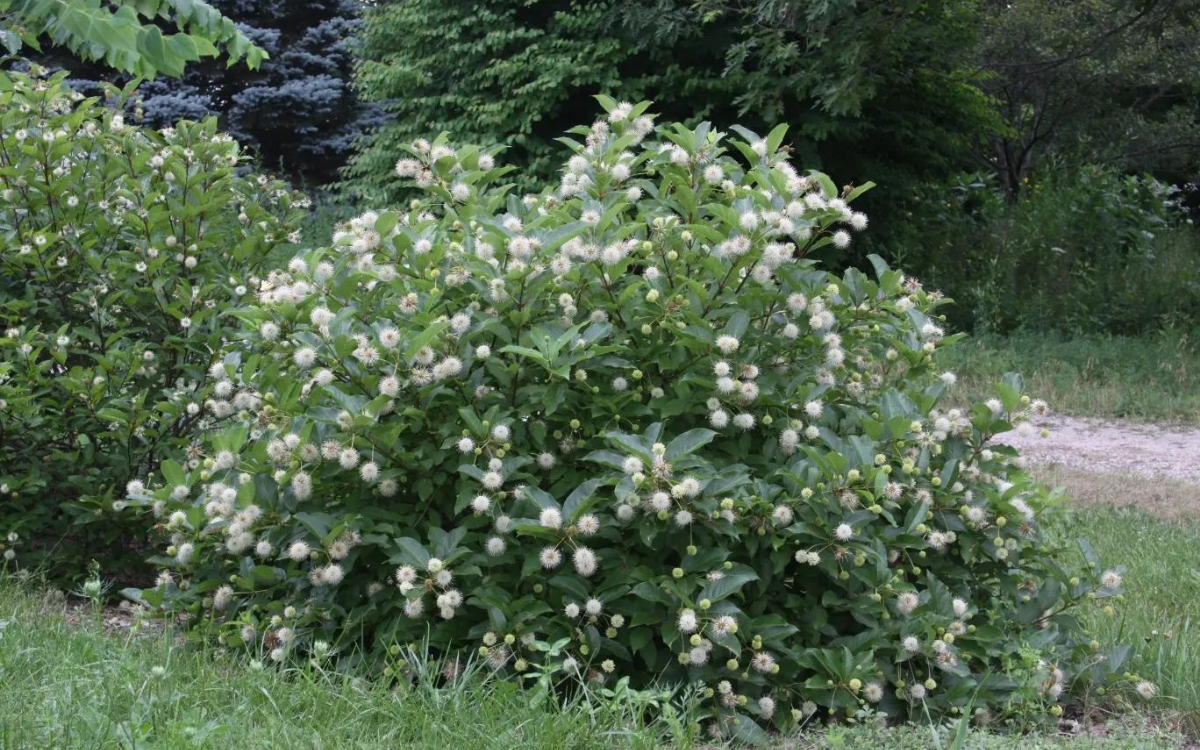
(1150, 379)
(1160, 616)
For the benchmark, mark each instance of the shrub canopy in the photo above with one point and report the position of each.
(624, 428)
(124, 248)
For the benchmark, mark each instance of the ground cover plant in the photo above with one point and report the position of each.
(626, 428)
(122, 249)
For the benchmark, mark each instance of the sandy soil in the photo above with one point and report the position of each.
(1113, 447)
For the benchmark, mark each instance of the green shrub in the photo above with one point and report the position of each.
(123, 250)
(1088, 251)
(624, 429)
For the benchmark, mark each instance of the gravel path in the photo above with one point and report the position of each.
(1113, 447)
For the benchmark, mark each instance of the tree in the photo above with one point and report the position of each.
(886, 83)
(1100, 81)
(297, 110)
(127, 38)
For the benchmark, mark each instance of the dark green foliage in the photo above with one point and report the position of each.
(134, 37)
(875, 89)
(1094, 250)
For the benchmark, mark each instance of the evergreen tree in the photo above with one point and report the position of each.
(886, 83)
(298, 110)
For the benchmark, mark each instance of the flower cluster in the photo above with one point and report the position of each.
(624, 427)
(123, 250)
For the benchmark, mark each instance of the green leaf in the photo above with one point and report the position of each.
(688, 443)
(730, 582)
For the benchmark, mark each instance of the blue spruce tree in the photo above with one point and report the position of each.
(298, 110)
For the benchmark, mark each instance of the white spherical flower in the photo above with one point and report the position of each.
(593, 607)
(718, 418)
(743, 421)
(766, 706)
(550, 518)
(369, 471)
(492, 480)
(550, 558)
(466, 445)
(585, 561)
(588, 524)
(571, 610)
(727, 344)
(481, 504)
(413, 608)
(501, 433)
(305, 357)
(960, 607)
(844, 532)
(298, 551)
(495, 546)
(907, 602)
(687, 621)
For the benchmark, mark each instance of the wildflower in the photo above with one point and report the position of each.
(907, 602)
(588, 524)
(585, 561)
(727, 344)
(305, 357)
(763, 661)
(223, 597)
(492, 480)
(550, 518)
(550, 558)
(1146, 689)
(1110, 579)
(766, 707)
(844, 532)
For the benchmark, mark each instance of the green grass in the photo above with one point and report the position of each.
(1160, 615)
(65, 686)
(1150, 378)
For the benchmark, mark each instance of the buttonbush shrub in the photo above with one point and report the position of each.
(123, 249)
(624, 429)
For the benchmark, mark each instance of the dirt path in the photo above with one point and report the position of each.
(1109, 446)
